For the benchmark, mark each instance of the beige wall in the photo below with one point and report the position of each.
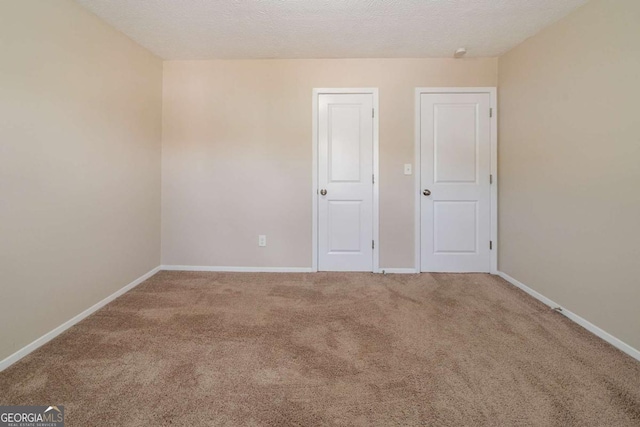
(237, 154)
(80, 130)
(570, 164)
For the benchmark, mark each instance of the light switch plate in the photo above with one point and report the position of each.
(407, 169)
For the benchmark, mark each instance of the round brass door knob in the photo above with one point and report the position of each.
(426, 192)
(323, 192)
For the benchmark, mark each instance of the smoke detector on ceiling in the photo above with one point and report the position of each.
(460, 52)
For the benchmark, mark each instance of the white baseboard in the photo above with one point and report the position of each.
(268, 269)
(10, 360)
(397, 270)
(237, 269)
(620, 345)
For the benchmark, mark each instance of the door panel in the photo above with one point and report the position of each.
(455, 143)
(343, 228)
(455, 227)
(345, 170)
(455, 150)
(344, 141)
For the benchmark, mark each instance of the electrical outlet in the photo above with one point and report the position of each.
(407, 169)
(262, 240)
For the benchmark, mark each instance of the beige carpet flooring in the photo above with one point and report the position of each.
(240, 349)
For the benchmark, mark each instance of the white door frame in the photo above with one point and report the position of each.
(314, 188)
(492, 91)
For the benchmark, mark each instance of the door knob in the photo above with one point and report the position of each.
(323, 192)
(426, 192)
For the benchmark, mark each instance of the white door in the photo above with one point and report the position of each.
(455, 156)
(345, 173)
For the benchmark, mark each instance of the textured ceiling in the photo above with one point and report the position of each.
(208, 29)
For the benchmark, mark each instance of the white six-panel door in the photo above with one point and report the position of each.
(455, 159)
(345, 186)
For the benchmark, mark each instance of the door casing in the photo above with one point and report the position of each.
(492, 91)
(314, 170)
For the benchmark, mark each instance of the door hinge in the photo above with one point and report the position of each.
(373, 179)
(491, 179)
(490, 245)
(373, 244)
(490, 112)
(373, 112)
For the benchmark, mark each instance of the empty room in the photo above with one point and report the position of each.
(319, 213)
